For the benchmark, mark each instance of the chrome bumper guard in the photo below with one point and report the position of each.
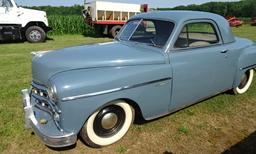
(59, 139)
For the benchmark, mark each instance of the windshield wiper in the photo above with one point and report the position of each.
(153, 43)
(149, 44)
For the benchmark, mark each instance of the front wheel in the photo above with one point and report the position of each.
(245, 82)
(108, 125)
(35, 34)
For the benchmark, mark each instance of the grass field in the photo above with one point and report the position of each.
(212, 126)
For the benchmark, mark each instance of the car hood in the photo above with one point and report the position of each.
(112, 54)
(31, 12)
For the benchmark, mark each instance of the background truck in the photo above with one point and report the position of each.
(17, 23)
(109, 17)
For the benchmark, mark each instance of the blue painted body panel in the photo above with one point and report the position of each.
(198, 74)
(94, 80)
(193, 74)
(93, 56)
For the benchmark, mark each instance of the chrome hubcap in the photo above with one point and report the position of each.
(35, 35)
(109, 120)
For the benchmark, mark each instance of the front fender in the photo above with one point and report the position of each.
(147, 85)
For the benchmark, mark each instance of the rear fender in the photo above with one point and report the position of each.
(246, 62)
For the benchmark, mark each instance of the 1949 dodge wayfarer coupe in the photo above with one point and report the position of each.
(159, 63)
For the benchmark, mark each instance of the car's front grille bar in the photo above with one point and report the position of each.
(43, 102)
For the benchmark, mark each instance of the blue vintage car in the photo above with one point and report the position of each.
(159, 63)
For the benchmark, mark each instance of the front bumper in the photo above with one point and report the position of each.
(48, 133)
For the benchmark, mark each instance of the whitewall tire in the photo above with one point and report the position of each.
(108, 125)
(245, 83)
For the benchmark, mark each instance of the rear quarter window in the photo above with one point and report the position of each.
(197, 35)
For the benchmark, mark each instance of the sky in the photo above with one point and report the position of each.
(152, 3)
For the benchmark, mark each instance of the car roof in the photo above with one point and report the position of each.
(181, 16)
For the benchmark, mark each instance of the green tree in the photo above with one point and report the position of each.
(244, 8)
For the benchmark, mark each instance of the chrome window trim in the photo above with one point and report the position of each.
(70, 98)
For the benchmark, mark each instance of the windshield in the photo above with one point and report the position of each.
(150, 32)
(5, 3)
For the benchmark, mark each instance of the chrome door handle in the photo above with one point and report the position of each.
(224, 51)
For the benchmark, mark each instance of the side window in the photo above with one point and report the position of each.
(1, 3)
(197, 35)
(5, 3)
(9, 3)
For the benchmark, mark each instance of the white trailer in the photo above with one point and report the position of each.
(21, 23)
(108, 17)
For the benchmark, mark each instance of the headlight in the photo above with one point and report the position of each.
(52, 93)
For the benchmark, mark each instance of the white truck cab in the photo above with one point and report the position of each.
(21, 23)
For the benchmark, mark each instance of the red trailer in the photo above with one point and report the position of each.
(234, 22)
(253, 21)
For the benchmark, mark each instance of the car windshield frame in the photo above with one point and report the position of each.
(158, 37)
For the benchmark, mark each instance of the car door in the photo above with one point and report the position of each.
(201, 64)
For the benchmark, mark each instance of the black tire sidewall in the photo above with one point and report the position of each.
(37, 28)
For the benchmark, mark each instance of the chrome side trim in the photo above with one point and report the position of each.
(112, 90)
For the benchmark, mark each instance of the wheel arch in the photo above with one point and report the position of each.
(35, 23)
(138, 116)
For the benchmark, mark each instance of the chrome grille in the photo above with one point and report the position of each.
(39, 90)
(43, 102)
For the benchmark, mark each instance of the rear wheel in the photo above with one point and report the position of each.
(115, 30)
(35, 34)
(245, 82)
(108, 125)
